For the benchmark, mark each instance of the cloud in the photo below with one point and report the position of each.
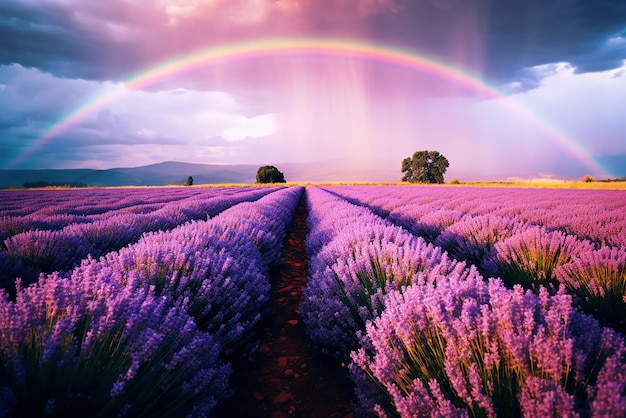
(254, 12)
(608, 56)
(180, 121)
(109, 40)
(529, 33)
(255, 127)
(238, 12)
(587, 105)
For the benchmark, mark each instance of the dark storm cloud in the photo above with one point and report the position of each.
(529, 33)
(54, 39)
(500, 39)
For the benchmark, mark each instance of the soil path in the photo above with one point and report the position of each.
(288, 376)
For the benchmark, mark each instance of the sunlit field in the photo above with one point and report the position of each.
(474, 299)
(533, 183)
(556, 184)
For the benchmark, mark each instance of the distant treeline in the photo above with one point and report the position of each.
(40, 184)
(613, 180)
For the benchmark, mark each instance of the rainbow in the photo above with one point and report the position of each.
(277, 47)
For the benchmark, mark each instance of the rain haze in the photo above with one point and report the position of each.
(521, 88)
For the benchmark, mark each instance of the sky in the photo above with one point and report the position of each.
(520, 88)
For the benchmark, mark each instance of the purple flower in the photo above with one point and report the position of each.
(530, 257)
(490, 349)
(352, 272)
(598, 280)
(473, 237)
(150, 324)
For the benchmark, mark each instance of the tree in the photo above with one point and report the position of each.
(269, 174)
(424, 167)
(189, 181)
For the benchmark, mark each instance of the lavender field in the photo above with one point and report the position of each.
(441, 301)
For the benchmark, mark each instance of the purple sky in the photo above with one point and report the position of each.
(563, 62)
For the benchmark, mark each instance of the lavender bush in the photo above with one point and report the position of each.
(469, 347)
(111, 233)
(342, 296)
(45, 251)
(352, 272)
(223, 291)
(10, 268)
(217, 268)
(36, 251)
(86, 345)
(473, 238)
(598, 280)
(409, 218)
(530, 257)
(13, 225)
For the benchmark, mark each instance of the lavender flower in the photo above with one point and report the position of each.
(478, 346)
(598, 279)
(351, 274)
(47, 251)
(473, 237)
(85, 343)
(143, 327)
(530, 257)
(595, 215)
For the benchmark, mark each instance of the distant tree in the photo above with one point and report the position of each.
(189, 181)
(424, 167)
(269, 174)
(42, 184)
(588, 179)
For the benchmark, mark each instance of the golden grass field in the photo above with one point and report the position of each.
(555, 184)
(538, 183)
(531, 183)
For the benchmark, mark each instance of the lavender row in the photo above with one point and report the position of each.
(92, 201)
(472, 347)
(146, 330)
(597, 215)
(596, 277)
(29, 253)
(219, 266)
(355, 258)
(430, 337)
(45, 210)
(519, 252)
(95, 345)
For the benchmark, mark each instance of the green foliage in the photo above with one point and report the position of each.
(361, 300)
(598, 281)
(269, 174)
(189, 181)
(424, 167)
(63, 386)
(42, 184)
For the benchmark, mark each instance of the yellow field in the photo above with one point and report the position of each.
(534, 183)
(555, 184)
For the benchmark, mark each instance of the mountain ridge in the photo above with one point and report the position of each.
(176, 173)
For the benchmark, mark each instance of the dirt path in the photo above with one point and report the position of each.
(288, 376)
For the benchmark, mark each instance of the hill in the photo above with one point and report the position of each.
(176, 173)
(160, 174)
